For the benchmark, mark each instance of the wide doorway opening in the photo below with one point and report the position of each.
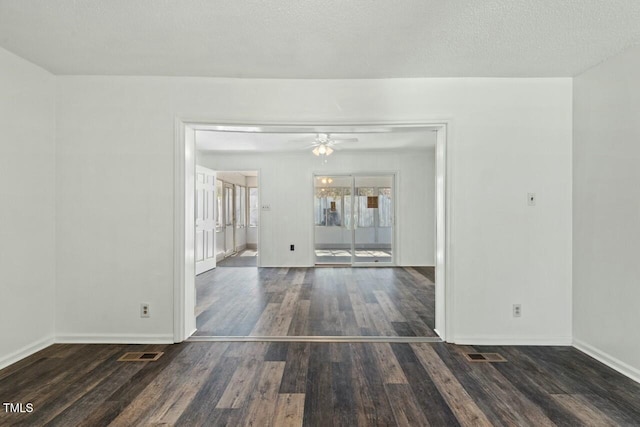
(378, 203)
(226, 218)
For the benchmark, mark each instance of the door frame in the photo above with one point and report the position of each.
(184, 322)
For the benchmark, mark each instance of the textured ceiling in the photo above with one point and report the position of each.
(290, 142)
(319, 38)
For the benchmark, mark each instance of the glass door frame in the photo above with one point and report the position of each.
(394, 222)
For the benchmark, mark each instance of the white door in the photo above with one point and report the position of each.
(205, 219)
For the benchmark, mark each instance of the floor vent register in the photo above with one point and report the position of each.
(141, 356)
(484, 357)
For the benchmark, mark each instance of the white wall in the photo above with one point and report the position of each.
(287, 185)
(115, 139)
(606, 211)
(27, 207)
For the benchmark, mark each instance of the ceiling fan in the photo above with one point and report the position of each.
(324, 144)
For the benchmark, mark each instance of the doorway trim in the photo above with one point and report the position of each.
(184, 325)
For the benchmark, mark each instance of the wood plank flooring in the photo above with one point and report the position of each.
(316, 302)
(244, 258)
(316, 384)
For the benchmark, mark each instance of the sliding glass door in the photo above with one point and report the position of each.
(332, 217)
(353, 217)
(373, 218)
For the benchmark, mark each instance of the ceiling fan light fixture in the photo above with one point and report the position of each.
(323, 143)
(322, 150)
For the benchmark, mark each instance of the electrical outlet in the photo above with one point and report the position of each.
(266, 206)
(292, 247)
(517, 310)
(144, 310)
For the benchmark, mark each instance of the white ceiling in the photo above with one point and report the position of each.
(319, 38)
(246, 142)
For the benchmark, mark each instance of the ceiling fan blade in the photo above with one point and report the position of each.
(301, 140)
(340, 141)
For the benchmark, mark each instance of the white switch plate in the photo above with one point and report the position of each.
(531, 199)
(266, 207)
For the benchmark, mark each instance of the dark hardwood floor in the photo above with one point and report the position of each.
(316, 384)
(316, 302)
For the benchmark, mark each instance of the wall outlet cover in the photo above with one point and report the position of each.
(517, 310)
(145, 310)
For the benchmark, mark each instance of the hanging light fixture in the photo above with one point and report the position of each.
(322, 146)
(322, 150)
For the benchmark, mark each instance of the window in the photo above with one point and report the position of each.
(385, 215)
(228, 197)
(241, 202)
(347, 208)
(366, 216)
(329, 206)
(218, 207)
(253, 207)
(332, 207)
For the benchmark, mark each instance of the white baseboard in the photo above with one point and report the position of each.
(288, 266)
(612, 362)
(114, 339)
(506, 340)
(25, 351)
